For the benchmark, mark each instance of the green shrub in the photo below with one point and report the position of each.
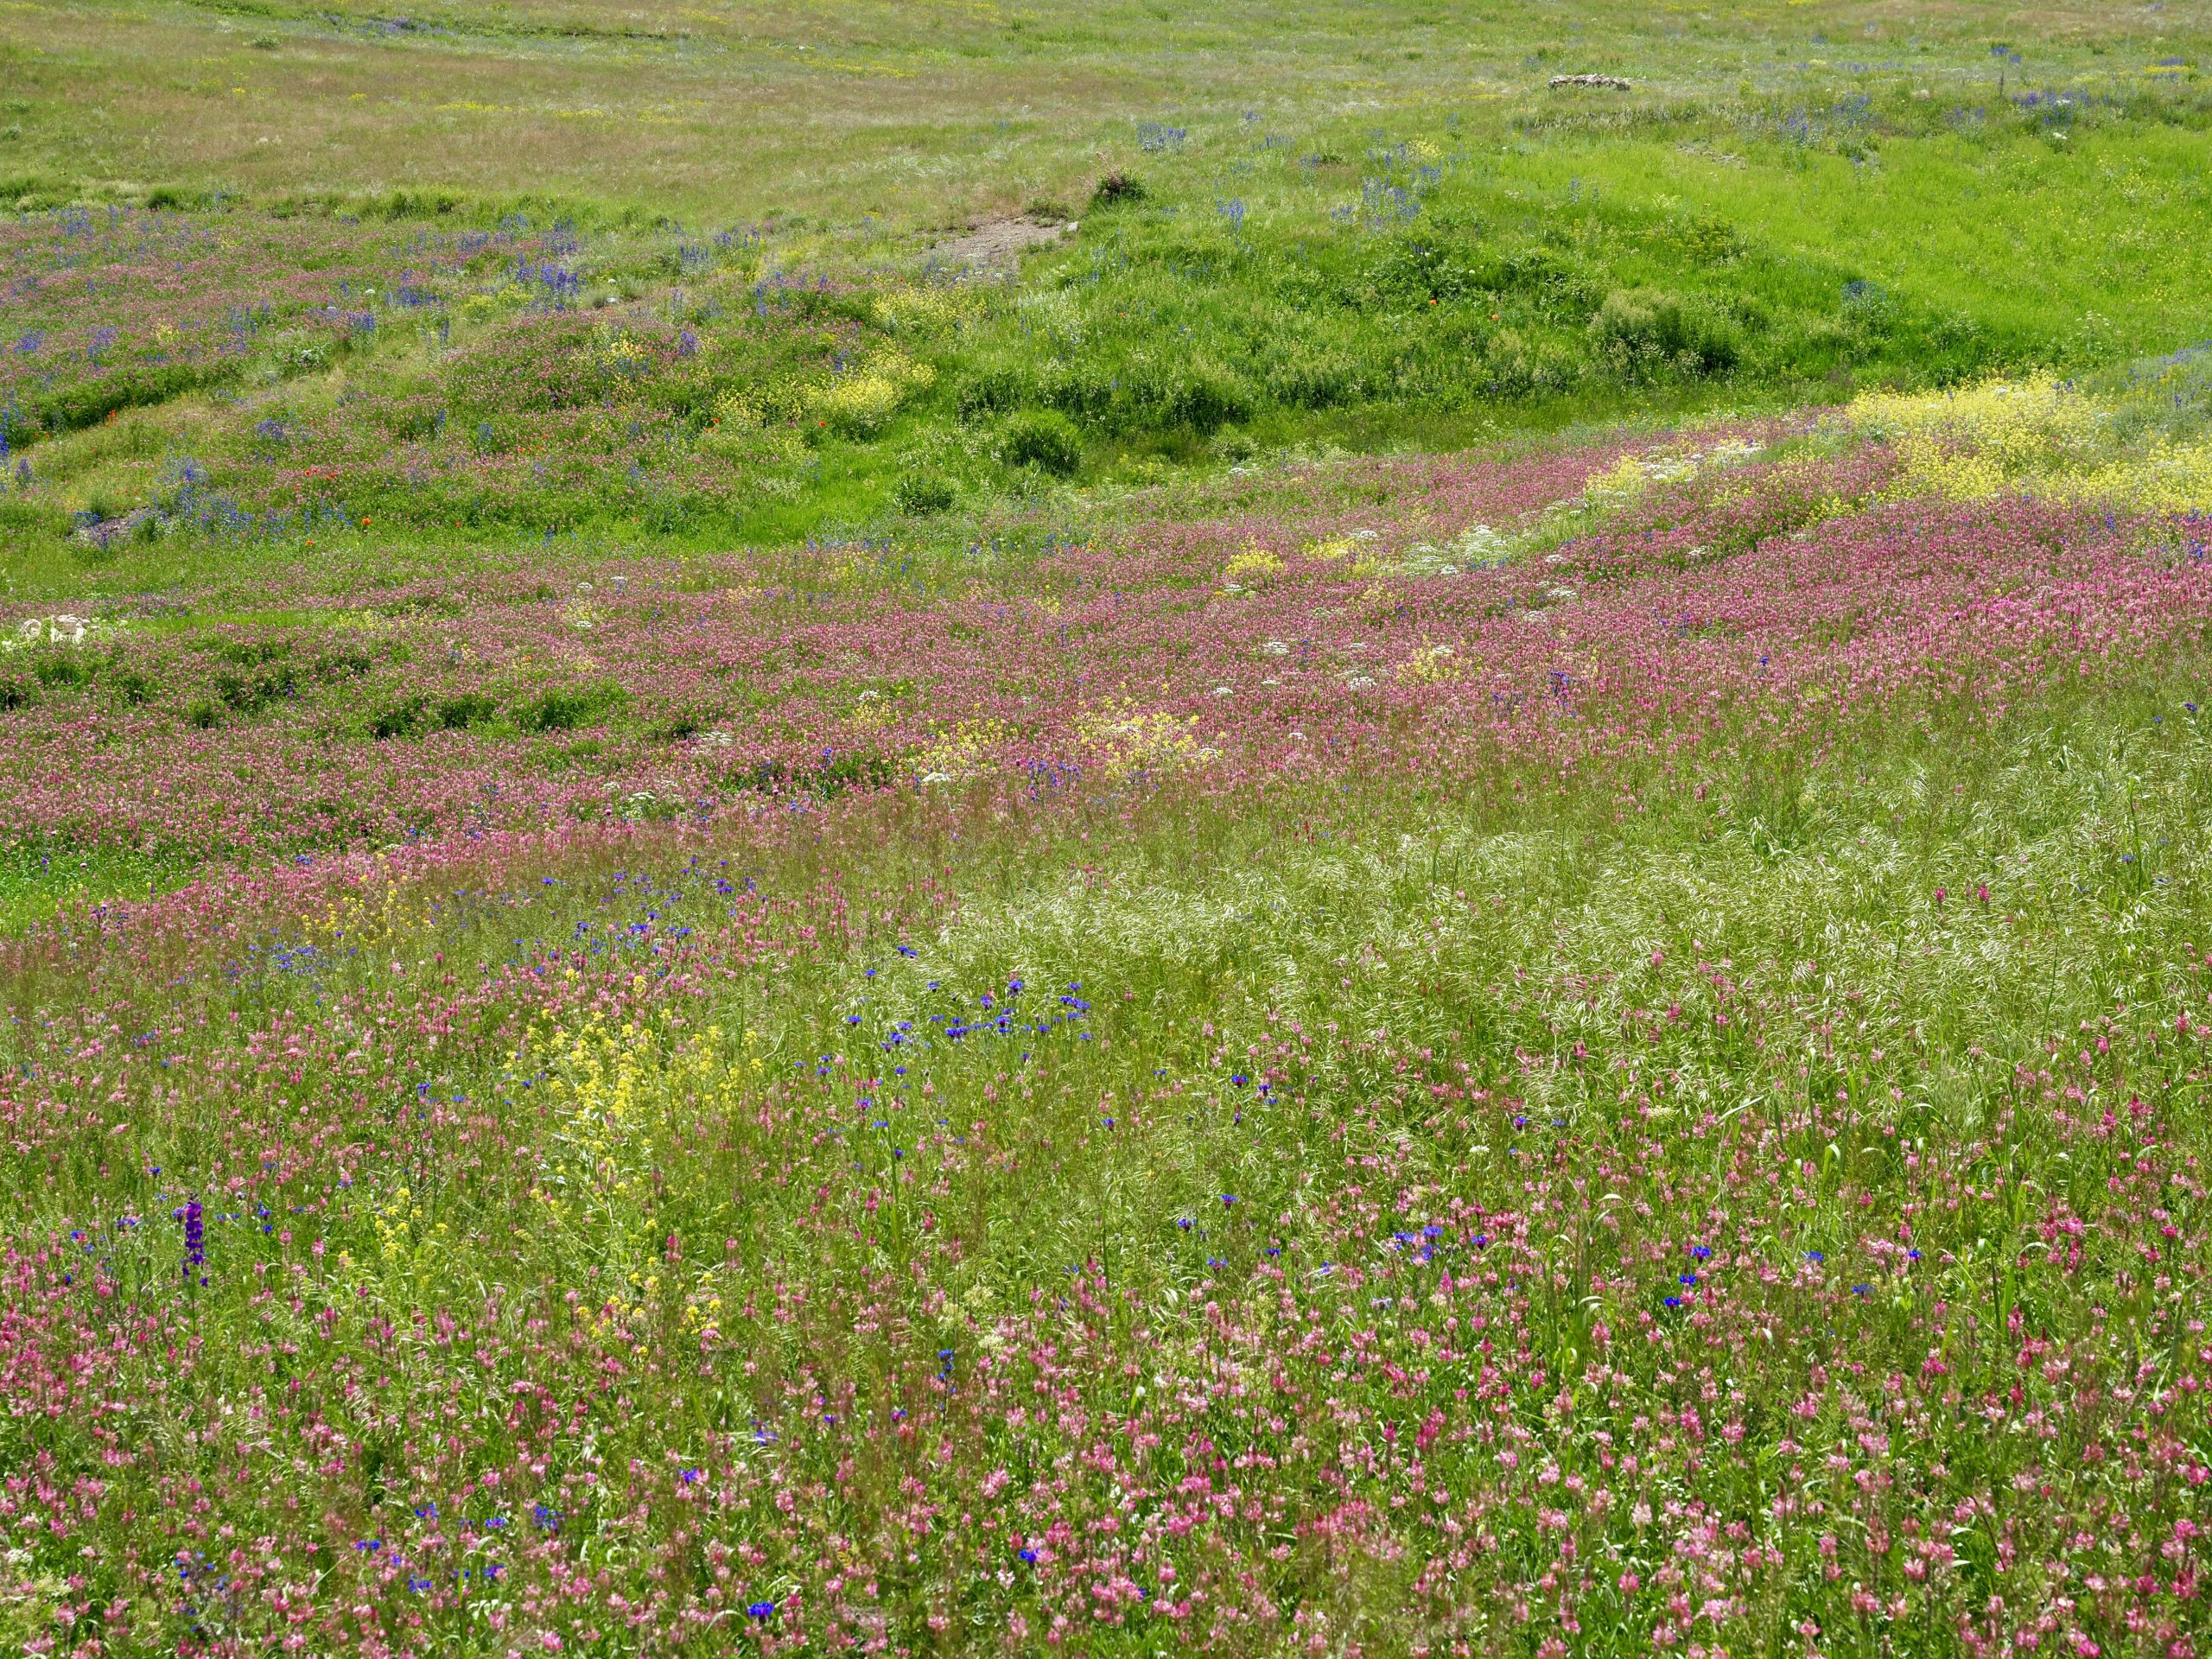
(1117, 190)
(457, 714)
(923, 495)
(1639, 332)
(60, 668)
(404, 719)
(1042, 438)
(132, 686)
(1513, 366)
(564, 710)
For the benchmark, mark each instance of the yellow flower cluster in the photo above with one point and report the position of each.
(1250, 570)
(1431, 665)
(2039, 436)
(1122, 739)
(955, 756)
(919, 309)
(863, 401)
(621, 1097)
(1631, 475)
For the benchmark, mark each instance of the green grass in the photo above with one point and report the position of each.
(39, 882)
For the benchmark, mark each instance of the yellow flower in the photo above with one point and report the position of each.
(1251, 570)
(956, 755)
(1121, 740)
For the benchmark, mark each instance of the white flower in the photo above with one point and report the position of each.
(1225, 691)
(1277, 647)
(1358, 681)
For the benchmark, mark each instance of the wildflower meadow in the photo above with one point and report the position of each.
(1393, 849)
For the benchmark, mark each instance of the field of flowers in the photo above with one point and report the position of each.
(1439, 892)
(1606, 1060)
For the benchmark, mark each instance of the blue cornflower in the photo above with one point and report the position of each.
(762, 1611)
(1028, 1555)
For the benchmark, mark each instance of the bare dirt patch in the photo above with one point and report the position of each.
(995, 246)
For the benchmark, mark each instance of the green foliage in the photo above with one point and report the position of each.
(567, 708)
(1644, 331)
(1117, 190)
(923, 494)
(1044, 439)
